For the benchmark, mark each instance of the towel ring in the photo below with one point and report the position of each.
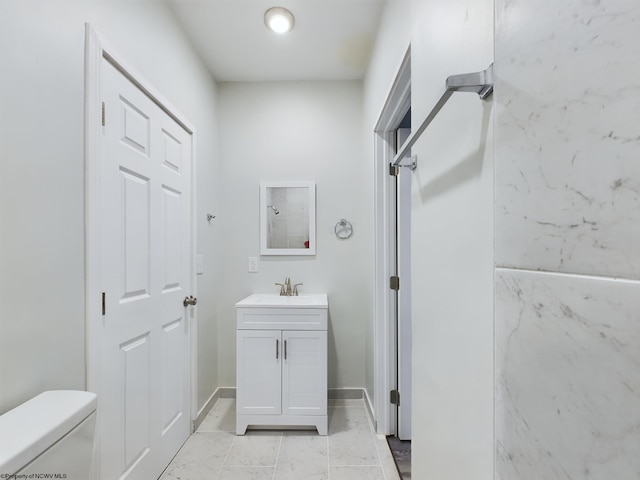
(343, 229)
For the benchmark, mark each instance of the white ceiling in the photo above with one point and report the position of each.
(331, 40)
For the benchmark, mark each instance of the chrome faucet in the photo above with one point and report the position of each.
(286, 290)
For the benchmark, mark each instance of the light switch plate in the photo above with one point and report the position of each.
(199, 264)
(253, 264)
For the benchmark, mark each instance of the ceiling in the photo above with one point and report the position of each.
(331, 40)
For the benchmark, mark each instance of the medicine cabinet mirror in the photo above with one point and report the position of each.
(288, 218)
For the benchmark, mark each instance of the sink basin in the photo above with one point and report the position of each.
(270, 300)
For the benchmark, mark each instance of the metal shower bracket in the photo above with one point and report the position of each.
(476, 82)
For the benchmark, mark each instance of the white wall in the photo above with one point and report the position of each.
(452, 229)
(452, 245)
(567, 231)
(297, 131)
(41, 185)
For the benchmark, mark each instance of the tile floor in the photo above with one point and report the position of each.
(351, 451)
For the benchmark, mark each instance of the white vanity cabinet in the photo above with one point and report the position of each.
(281, 367)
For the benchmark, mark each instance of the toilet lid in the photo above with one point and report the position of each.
(31, 428)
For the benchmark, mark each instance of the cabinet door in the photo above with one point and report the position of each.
(259, 361)
(304, 373)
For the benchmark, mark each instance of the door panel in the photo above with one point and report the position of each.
(136, 212)
(145, 273)
(135, 127)
(304, 373)
(403, 269)
(258, 374)
(172, 398)
(404, 305)
(172, 152)
(172, 212)
(136, 400)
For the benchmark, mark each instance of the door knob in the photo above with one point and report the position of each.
(191, 300)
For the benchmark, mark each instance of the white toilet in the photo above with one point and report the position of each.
(49, 436)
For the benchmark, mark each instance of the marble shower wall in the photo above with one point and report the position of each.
(567, 377)
(568, 136)
(567, 239)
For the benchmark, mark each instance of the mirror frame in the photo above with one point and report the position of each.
(264, 250)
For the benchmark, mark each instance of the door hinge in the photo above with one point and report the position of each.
(394, 397)
(393, 170)
(394, 282)
(103, 114)
(104, 303)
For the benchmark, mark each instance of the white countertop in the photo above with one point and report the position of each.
(272, 300)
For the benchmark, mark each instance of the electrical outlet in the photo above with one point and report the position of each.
(253, 264)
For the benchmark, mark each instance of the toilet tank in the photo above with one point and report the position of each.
(49, 436)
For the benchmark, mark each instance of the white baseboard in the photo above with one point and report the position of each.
(220, 392)
(369, 406)
(345, 393)
(333, 393)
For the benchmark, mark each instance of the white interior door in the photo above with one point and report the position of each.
(145, 250)
(394, 115)
(403, 261)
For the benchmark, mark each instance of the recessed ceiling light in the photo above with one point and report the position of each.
(278, 19)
